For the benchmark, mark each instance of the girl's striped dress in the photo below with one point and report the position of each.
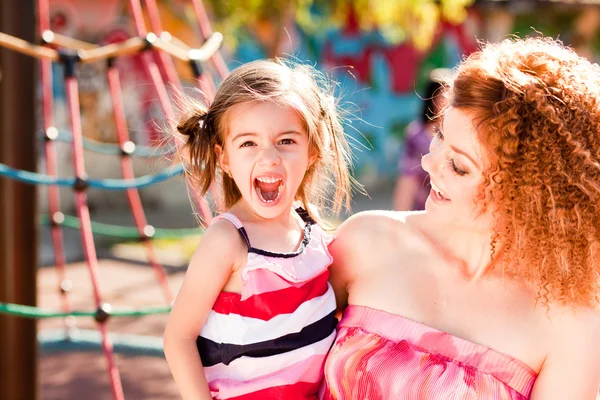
(270, 341)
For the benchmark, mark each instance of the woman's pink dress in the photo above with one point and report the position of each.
(378, 355)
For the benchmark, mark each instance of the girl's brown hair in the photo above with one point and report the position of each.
(300, 87)
(536, 107)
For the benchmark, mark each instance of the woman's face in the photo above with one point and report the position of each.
(455, 164)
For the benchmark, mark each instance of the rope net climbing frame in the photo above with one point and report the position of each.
(157, 48)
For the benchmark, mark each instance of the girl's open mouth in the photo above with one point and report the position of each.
(268, 188)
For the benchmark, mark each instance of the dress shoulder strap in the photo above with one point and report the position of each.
(235, 221)
(305, 216)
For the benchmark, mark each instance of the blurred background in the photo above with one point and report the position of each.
(386, 55)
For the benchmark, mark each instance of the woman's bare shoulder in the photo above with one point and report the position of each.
(565, 320)
(373, 232)
(378, 222)
(566, 328)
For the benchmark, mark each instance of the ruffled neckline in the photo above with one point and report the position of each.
(310, 260)
(305, 241)
(394, 327)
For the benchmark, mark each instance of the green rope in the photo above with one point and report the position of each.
(126, 232)
(39, 313)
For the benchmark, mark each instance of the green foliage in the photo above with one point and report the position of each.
(397, 20)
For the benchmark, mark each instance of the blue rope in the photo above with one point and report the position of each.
(114, 149)
(108, 184)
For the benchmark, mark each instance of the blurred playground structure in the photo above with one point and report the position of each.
(105, 73)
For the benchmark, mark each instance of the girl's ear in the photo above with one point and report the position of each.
(312, 156)
(222, 159)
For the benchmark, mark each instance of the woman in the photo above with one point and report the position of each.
(492, 292)
(412, 186)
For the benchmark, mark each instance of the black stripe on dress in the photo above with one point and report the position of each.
(212, 353)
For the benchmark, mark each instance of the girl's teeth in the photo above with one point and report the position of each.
(268, 179)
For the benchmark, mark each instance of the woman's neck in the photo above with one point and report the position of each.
(468, 249)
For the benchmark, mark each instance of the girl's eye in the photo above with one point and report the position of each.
(287, 141)
(247, 144)
(456, 170)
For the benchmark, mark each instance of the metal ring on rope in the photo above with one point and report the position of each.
(109, 148)
(125, 232)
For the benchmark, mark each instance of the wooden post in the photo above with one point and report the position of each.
(18, 237)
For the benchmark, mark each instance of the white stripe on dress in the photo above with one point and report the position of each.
(235, 329)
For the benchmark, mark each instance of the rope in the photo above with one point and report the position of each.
(51, 163)
(108, 184)
(153, 74)
(114, 149)
(83, 213)
(206, 31)
(101, 339)
(133, 195)
(125, 232)
(89, 340)
(31, 312)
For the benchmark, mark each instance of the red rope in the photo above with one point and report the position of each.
(133, 195)
(165, 62)
(43, 15)
(87, 238)
(50, 154)
(163, 97)
(206, 31)
(138, 17)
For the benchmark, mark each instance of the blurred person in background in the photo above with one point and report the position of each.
(412, 186)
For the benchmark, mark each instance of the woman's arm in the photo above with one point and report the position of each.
(209, 270)
(572, 367)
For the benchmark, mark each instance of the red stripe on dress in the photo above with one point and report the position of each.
(268, 305)
(296, 391)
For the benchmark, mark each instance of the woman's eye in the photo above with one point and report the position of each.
(456, 170)
(437, 133)
(247, 144)
(287, 141)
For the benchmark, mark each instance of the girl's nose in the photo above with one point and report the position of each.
(269, 157)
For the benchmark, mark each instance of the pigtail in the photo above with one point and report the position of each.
(200, 138)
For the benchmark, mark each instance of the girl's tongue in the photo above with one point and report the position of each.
(268, 190)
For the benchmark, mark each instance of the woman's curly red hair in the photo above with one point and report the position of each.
(536, 107)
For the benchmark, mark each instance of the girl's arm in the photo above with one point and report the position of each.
(356, 240)
(211, 266)
(572, 367)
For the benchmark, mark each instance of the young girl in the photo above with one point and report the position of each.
(255, 316)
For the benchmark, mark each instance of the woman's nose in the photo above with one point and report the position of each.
(432, 161)
(427, 163)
